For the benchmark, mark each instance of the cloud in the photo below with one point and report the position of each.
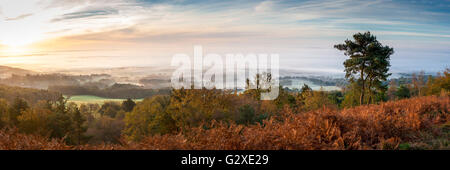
(134, 35)
(86, 14)
(171, 21)
(415, 34)
(18, 17)
(69, 4)
(264, 6)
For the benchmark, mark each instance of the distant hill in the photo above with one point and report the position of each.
(43, 81)
(32, 96)
(6, 71)
(116, 91)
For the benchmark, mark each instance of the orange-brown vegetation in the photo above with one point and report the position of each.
(11, 139)
(417, 123)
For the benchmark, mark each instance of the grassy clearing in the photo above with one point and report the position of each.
(84, 99)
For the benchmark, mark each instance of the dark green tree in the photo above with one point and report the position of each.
(336, 97)
(60, 121)
(403, 92)
(128, 105)
(110, 109)
(368, 64)
(3, 112)
(78, 125)
(15, 110)
(305, 89)
(246, 115)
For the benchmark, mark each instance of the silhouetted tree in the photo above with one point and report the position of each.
(128, 105)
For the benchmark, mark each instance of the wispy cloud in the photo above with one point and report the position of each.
(86, 14)
(18, 17)
(264, 6)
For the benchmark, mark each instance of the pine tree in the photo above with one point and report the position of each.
(19, 105)
(78, 126)
(368, 64)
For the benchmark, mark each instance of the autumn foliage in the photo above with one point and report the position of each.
(417, 123)
(11, 139)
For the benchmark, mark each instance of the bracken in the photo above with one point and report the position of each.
(383, 126)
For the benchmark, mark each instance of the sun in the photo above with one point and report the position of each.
(17, 44)
(17, 39)
(15, 49)
(14, 43)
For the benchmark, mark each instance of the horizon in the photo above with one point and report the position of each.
(54, 36)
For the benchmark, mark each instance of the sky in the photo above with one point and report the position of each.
(49, 35)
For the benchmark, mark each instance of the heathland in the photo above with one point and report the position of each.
(369, 110)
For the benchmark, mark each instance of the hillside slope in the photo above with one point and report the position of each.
(32, 96)
(6, 71)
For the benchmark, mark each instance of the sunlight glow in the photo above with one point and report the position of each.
(19, 26)
(15, 41)
(15, 50)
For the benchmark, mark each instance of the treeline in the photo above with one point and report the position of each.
(31, 96)
(101, 85)
(57, 119)
(419, 85)
(121, 91)
(53, 119)
(101, 81)
(320, 81)
(43, 81)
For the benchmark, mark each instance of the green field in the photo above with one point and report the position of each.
(83, 99)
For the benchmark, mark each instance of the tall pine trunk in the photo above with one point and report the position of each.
(361, 98)
(369, 101)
